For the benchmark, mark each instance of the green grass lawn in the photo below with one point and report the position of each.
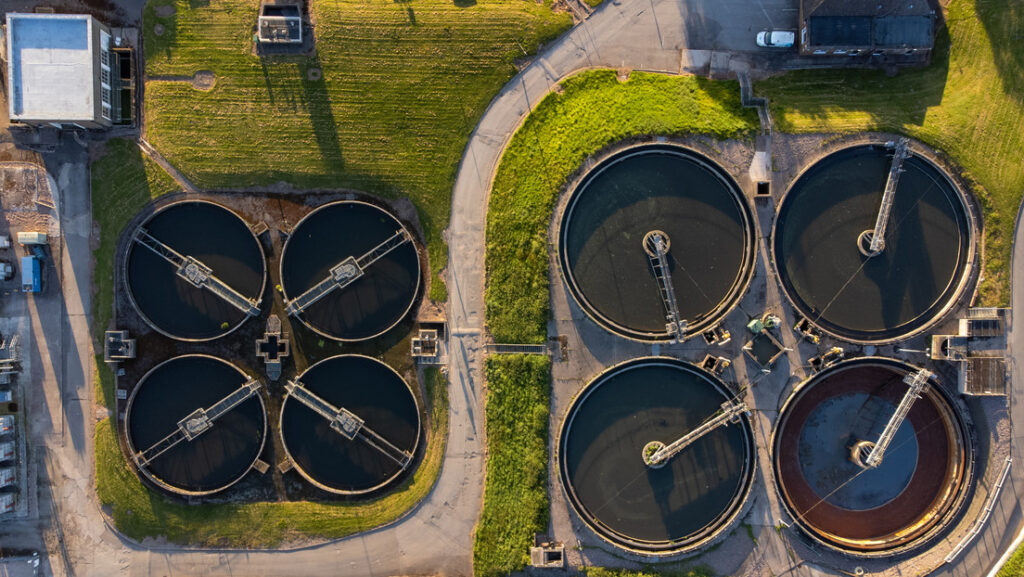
(593, 111)
(403, 84)
(969, 104)
(139, 512)
(123, 181)
(516, 487)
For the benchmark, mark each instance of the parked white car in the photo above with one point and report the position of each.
(776, 38)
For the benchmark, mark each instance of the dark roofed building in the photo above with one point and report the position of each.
(857, 27)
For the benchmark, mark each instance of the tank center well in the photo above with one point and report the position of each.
(870, 456)
(873, 243)
(655, 455)
(350, 271)
(656, 243)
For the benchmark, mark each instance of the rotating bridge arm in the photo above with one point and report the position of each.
(198, 422)
(346, 423)
(656, 453)
(345, 273)
(197, 273)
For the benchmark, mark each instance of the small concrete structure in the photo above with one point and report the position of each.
(978, 348)
(273, 347)
(425, 346)
(118, 347)
(280, 23)
(59, 70)
(547, 554)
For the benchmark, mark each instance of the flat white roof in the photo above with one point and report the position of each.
(50, 67)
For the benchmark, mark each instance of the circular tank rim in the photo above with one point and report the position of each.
(131, 247)
(157, 480)
(739, 288)
(924, 154)
(706, 535)
(305, 475)
(418, 275)
(944, 513)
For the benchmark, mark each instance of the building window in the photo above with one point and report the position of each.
(105, 59)
(105, 77)
(105, 96)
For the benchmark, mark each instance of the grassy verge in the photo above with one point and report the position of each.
(515, 493)
(1014, 566)
(593, 111)
(123, 181)
(139, 512)
(969, 104)
(385, 105)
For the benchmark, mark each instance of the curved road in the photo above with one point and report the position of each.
(658, 35)
(437, 537)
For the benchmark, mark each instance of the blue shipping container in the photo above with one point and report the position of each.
(31, 281)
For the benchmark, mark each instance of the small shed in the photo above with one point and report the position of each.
(280, 23)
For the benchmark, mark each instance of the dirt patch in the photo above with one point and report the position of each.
(204, 80)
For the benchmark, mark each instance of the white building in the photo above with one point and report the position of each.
(59, 70)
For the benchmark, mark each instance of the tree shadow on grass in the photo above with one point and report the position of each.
(1004, 23)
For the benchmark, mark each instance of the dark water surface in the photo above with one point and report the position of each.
(219, 239)
(656, 188)
(373, 303)
(372, 391)
(216, 457)
(602, 460)
(881, 297)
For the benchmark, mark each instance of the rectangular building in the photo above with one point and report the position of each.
(903, 28)
(59, 70)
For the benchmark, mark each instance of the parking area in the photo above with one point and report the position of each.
(733, 24)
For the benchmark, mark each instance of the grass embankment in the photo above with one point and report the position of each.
(385, 105)
(515, 493)
(123, 181)
(969, 104)
(139, 512)
(1014, 566)
(593, 111)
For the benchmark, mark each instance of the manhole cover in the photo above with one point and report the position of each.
(315, 74)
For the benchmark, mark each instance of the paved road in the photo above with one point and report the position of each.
(1007, 516)
(647, 34)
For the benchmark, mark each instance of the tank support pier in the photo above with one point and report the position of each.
(198, 422)
(869, 454)
(656, 245)
(345, 273)
(656, 453)
(346, 423)
(872, 242)
(198, 274)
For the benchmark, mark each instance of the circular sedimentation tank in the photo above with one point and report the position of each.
(170, 261)
(897, 505)
(613, 427)
(178, 449)
(350, 424)
(369, 257)
(609, 260)
(820, 245)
